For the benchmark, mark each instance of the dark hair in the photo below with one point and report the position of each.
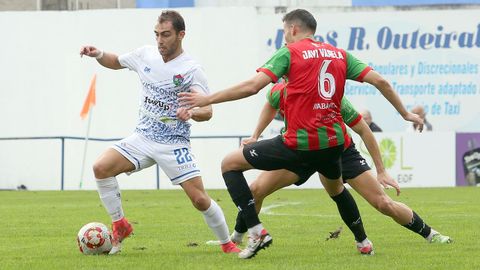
(172, 16)
(303, 18)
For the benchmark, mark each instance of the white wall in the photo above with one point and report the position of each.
(43, 81)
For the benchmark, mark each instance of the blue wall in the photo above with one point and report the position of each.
(164, 3)
(191, 3)
(411, 2)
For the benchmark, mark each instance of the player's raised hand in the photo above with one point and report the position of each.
(386, 180)
(416, 119)
(184, 114)
(89, 51)
(192, 99)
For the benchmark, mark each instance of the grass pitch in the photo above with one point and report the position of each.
(39, 231)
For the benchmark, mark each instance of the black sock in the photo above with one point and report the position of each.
(349, 212)
(242, 197)
(417, 225)
(240, 225)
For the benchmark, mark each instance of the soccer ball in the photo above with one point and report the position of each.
(94, 238)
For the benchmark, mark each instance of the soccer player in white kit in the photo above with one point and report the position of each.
(162, 134)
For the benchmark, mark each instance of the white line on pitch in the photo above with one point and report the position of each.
(267, 210)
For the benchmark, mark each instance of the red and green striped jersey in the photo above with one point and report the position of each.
(275, 98)
(316, 74)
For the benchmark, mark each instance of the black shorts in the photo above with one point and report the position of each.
(273, 154)
(353, 164)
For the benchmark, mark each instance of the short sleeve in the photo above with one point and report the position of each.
(356, 69)
(350, 116)
(278, 65)
(132, 60)
(274, 95)
(199, 81)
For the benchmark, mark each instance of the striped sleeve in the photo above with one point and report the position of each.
(356, 69)
(350, 116)
(278, 65)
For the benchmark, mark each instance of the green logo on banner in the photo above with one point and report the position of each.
(388, 150)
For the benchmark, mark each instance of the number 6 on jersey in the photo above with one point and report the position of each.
(327, 79)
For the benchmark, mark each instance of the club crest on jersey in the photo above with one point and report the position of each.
(177, 79)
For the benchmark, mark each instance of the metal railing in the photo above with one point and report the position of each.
(62, 148)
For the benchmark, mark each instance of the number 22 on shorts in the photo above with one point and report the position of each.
(182, 155)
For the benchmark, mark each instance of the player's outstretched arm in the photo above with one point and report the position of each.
(239, 91)
(265, 118)
(108, 60)
(202, 114)
(389, 93)
(362, 129)
(197, 114)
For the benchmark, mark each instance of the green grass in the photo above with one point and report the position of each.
(39, 230)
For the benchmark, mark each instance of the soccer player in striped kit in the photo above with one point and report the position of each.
(315, 134)
(355, 171)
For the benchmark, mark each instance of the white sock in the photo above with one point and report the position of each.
(365, 242)
(256, 230)
(237, 237)
(109, 193)
(216, 221)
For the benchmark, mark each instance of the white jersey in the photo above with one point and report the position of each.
(161, 83)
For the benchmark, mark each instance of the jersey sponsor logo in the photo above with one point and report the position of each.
(159, 90)
(327, 119)
(178, 79)
(186, 166)
(325, 53)
(158, 103)
(323, 106)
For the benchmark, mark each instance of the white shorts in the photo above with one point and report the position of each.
(176, 160)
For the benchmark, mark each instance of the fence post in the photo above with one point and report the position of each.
(158, 177)
(62, 170)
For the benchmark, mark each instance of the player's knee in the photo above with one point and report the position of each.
(201, 202)
(233, 162)
(228, 165)
(385, 205)
(256, 191)
(101, 171)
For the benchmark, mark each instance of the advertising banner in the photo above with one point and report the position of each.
(416, 159)
(468, 159)
(430, 57)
